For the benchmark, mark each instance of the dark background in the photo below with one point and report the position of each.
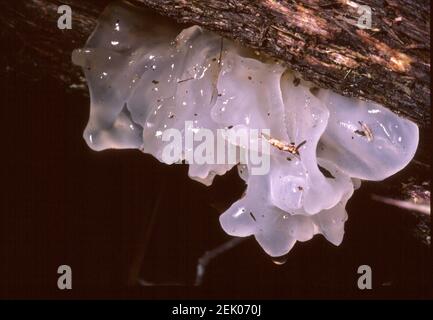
(119, 216)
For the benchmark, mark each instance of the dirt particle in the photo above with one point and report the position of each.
(252, 216)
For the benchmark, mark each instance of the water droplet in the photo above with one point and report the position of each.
(280, 260)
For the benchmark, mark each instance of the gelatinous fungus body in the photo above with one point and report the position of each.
(146, 80)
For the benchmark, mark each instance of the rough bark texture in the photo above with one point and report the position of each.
(34, 47)
(389, 63)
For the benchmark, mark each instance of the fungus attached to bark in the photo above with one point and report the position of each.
(145, 81)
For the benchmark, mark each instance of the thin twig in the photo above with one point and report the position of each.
(408, 205)
(204, 260)
(145, 283)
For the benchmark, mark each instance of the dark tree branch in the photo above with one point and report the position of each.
(34, 47)
(389, 64)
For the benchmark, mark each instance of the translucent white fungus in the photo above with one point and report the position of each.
(147, 79)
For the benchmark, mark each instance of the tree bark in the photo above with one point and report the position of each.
(389, 63)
